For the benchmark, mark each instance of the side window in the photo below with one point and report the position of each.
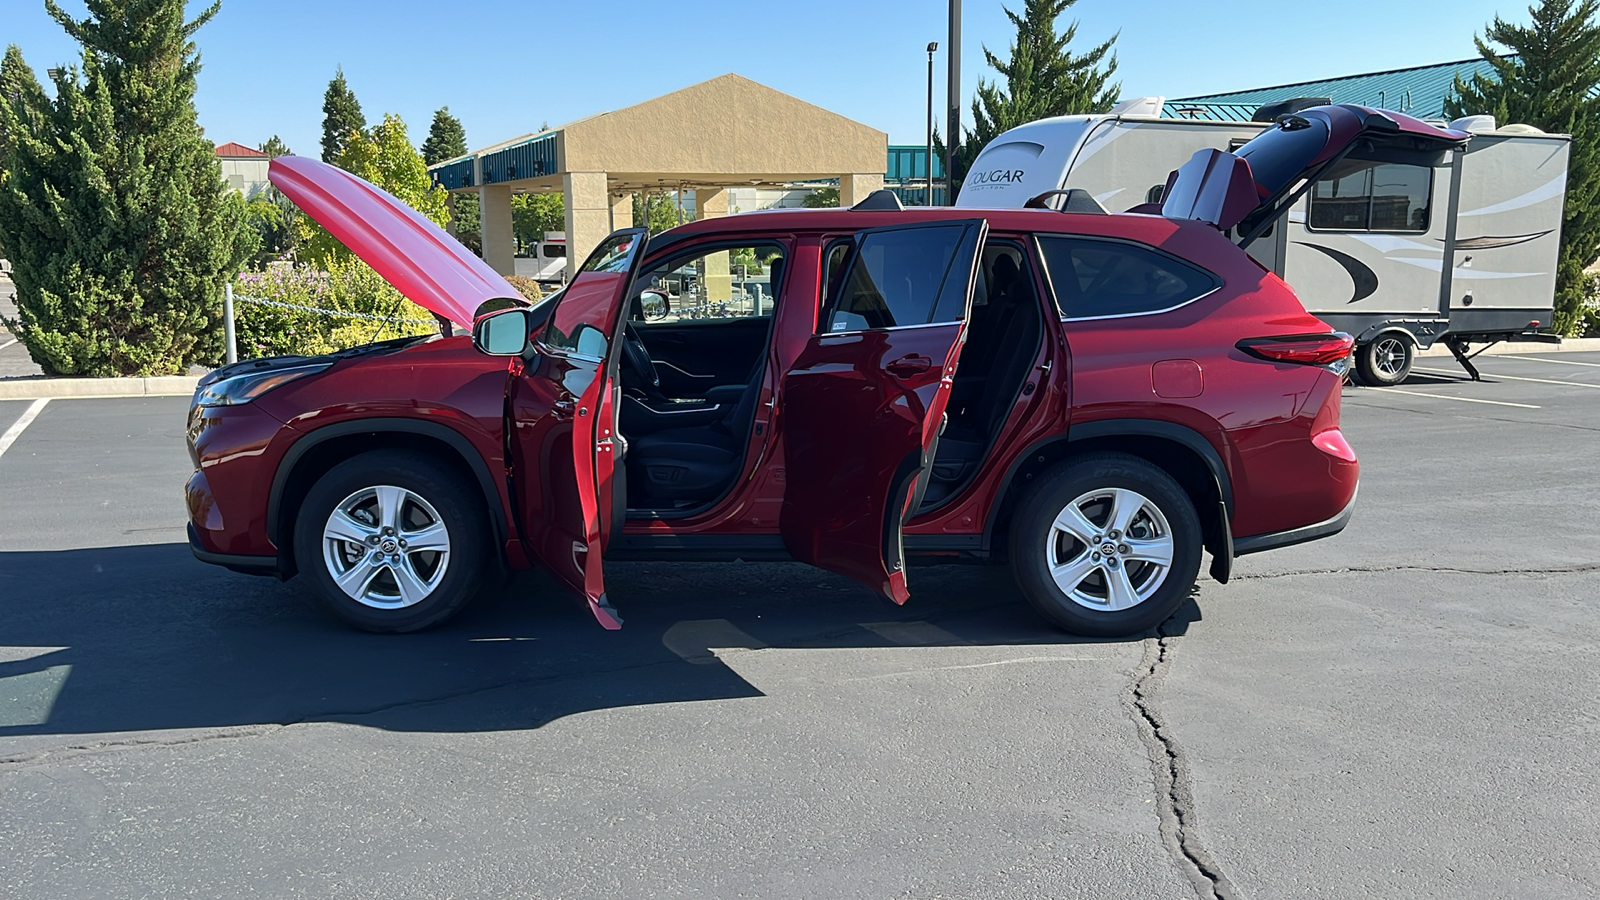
(739, 282)
(577, 322)
(898, 278)
(1384, 198)
(555, 251)
(1095, 279)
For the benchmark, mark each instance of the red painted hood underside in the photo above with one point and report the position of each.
(424, 263)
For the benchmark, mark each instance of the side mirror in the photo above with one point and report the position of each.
(654, 305)
(502, 333)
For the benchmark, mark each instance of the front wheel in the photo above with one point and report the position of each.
(1385, 361)
(392, 541)
(1107, 545)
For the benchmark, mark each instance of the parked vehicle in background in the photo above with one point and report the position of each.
(1096, 399)
(1365, 245)
(546, 261)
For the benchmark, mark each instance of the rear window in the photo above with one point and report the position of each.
(1095, 279)
(1278, 155)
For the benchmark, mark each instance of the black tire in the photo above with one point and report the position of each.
(459, 507)
(1386, 360)
(1036, 545)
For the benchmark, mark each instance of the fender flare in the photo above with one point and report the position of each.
(1101, 428)
(452, 438)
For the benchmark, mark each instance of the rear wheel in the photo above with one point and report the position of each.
(1386, 360)
(1106, 545)
(392, 541)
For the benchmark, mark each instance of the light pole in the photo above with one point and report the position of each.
(952, 134)
(932, 46)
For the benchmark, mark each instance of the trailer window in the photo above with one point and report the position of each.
(1385, 198)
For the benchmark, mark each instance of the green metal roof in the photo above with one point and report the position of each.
(1418, 91)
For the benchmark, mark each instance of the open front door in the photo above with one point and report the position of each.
(564, 447)
(864, 402)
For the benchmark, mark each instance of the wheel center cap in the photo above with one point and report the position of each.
(1108, 549)
(388, 545)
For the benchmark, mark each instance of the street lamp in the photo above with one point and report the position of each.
(932, 46)
(952, 134)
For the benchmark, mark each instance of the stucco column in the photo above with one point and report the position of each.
(621, 211)
(710, 201)
(854, 188)
(588, 215)
(494, 217)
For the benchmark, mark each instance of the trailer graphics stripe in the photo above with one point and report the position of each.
(1364, 280)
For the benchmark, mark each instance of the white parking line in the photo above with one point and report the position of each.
(1517, 378)
(1559, 362)
(1447, 397)
(17, 427)
(8, 343)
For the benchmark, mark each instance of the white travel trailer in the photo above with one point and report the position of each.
(1404, 251)
(546, 261)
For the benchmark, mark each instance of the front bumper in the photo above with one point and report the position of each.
(248, 565)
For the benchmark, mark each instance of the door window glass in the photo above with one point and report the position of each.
(1094, 279)
(739, 282)
(578, 324)
(1384, 198)
(900, 278)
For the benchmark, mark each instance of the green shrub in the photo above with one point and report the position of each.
(527, 287)
(286, 310)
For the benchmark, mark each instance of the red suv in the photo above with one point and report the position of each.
(1094, 398)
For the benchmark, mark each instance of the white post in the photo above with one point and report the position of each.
(227, 323)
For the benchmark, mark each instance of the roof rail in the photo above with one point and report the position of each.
(1078, 201)
(881, 199)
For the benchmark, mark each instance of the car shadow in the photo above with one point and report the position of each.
(144, 638)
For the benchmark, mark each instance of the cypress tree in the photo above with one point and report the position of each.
(1551, 84)
(447, 139)
(341, 117)
(274, 146)
(1042, 78)
(119, 227)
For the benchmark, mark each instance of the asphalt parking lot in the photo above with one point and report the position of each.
(1406, 710)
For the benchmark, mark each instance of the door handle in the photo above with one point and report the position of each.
(906, 366)
(565, 406)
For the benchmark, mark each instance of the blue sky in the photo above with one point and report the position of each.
(505, 68)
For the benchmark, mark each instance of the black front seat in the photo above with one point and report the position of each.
(680, 464)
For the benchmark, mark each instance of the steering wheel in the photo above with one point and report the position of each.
(636, 359)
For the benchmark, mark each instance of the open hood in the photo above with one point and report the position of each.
(427, 265)
(1257, 182)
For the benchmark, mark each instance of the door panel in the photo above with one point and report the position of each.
(726, 350)
(563, 419)
(863, 404)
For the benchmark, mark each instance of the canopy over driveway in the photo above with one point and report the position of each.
(726, 132)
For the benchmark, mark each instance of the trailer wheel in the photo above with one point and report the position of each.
(1386, 360)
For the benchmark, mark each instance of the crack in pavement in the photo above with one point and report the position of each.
(1578, 569)
(1179, 822)
(95, 748)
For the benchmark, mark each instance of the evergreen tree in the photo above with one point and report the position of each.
(341, 117)
(1551, 84)
(1042, 78)
(119, 227)
(274, 146)
(446, 138)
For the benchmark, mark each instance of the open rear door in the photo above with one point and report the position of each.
(564, 446)
(864, 403)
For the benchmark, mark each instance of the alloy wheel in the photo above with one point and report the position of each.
(386, 547)
(1389, 356)
(1110, 549)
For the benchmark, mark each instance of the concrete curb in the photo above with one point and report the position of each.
(86, 388)
(1570, 345)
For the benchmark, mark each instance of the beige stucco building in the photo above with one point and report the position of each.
(244, 169)
(728, 132)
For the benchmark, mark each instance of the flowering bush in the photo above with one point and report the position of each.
(292, 309)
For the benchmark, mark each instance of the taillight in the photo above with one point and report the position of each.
(1329, 350)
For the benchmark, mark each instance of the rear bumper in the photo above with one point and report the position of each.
(248, 565)
(1273, 540)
